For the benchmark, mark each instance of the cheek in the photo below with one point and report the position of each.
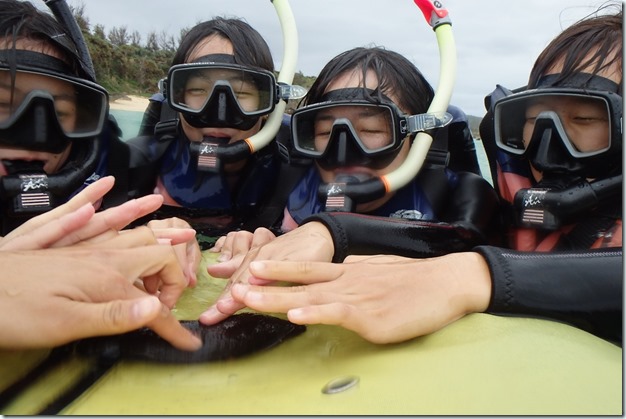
(327, 176)
(242, 135)
(56, 161)
(193, 134)
(397, 162)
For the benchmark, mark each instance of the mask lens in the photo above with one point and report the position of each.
(80, 109)
(582, 121)
(372, 127)
(193, 86)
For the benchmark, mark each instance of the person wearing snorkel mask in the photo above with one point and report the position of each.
(63, 262)
(559, 153)
(53, 119)
(390, 298)
(219, 92)
(357, 122)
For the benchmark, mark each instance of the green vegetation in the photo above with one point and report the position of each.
(125, 64)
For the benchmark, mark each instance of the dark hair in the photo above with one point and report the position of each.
(250, 49)
(20, 19)
(599, 37)
(395, 74)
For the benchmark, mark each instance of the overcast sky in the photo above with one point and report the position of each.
(497, 41)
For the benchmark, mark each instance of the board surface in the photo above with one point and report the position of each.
(481, 364)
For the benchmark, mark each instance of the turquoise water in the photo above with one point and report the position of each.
(129, 122)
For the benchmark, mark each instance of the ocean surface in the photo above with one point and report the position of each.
(129, 122)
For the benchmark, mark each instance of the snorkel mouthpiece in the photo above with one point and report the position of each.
(25, 194)
(346, 191)
(213, 152)
(550, 208)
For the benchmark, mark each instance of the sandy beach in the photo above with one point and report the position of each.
(129, 103)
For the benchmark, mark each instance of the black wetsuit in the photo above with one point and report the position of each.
(581, 288)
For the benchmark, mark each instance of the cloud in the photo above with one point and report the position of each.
(496, 41)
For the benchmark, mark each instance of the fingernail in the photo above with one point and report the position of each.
(257, 265)
(224, 257)
(164, 241)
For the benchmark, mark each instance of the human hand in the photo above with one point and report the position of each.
(309, 242)
(53, 296)
(234, 247)
(384, 299)
(76, 221)
(188, 252)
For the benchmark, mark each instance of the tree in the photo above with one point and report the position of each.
(119, 36)
(99, 32)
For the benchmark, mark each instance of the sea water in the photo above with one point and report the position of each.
(129, 122)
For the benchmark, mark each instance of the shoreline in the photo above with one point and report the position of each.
(129, 103)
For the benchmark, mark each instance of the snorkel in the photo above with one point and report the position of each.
(64, 16)
(27, 190)
(341, 195)
(239, 150)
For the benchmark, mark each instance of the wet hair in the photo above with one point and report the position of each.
(250, 49)
(598, 36)
(22, 20)
(396, 75)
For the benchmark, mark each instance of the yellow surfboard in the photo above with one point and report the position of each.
(479, 365)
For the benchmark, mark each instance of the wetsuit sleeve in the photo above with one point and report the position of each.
(357, 234)
(583, 288)
(474, 205)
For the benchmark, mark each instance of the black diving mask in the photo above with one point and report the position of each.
(347, 129)
(567, 130)
(217, 94)
(44, 111)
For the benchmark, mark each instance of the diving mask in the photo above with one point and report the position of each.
(562, 129)
(44, 110)
(217, 94)
(348, 129)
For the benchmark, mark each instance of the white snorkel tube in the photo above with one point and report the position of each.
(375, 188)
(438, 18)
(242, 149)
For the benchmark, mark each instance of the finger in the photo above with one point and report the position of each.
(194, 256)
(156, 260)
(335, 314)
(221, 310)
(136, 237)
(275, 299)
(176, 235)
(219, 243)
(234, 243)
(91, 194)
(223, 269)
(300, 272)
(114, 218)
(120, 316)
(48, 234)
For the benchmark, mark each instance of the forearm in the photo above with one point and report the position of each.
(355, 234)
(583, 288)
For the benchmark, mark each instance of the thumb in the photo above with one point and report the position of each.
(121, 316)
